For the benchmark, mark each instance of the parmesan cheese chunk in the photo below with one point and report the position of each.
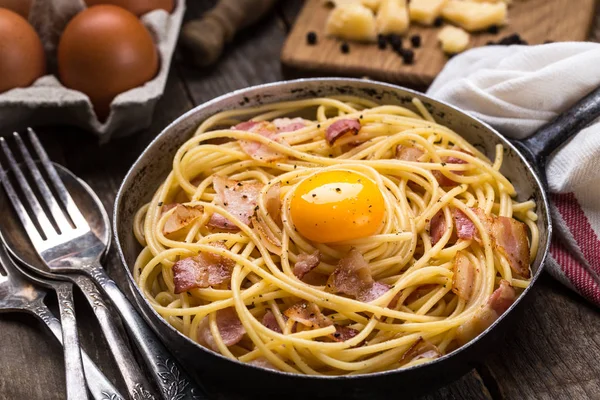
(453, 39)
(474, 16)
(352, 22)
(425, 11)
(392, 17)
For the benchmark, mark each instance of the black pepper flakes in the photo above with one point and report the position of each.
(493, 29)
(311, 38)
(381, 42)
(345, 48)
(338, 190)
(408, 56)
(160, 203)
(415, 40)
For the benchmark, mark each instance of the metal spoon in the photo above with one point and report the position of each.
(155, 354)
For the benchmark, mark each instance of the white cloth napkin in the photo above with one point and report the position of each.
(517, 89)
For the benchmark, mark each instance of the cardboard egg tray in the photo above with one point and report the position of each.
(48, 102)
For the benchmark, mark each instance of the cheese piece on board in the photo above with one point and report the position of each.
(425, 11)
(453, 40)
(352, 22)
(392, 17)
(474, 16)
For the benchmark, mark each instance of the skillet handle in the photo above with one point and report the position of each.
(550, 136)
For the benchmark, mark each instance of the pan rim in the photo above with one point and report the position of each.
(336, 81)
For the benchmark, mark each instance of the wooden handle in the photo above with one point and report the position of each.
(205, 38)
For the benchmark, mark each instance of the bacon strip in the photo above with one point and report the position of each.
(181, 217)
(290, 125)
(308, 314)
(267, 237)
(262, 362)
(353, 277)
(464, 276)
(306, 263)
(201, 271)
(407, 153)
(239, 198)
(341, 127)
(437, 227)
(465, 228)
(273, 202)
(510, 237)
(270, 321)
(343, 333)
(257, 150)
(499, 301)
(421, 349)
(229, 325)
(442, 179)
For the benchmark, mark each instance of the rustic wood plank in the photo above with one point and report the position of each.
(555, 350)
(535, 20)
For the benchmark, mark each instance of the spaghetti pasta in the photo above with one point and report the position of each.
(353, 238)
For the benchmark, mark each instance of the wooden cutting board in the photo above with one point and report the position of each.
(535, 20)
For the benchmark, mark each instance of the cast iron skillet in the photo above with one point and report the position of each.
(215, 370)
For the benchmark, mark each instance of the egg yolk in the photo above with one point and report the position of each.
(333, 206)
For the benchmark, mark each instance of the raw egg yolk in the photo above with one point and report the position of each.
(333, 206)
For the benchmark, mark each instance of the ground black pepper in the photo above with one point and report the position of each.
(415, 40)
(311, 38)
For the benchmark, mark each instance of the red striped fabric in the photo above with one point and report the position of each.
(584, 277)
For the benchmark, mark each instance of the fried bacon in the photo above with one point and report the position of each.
(201, 271)
(465, 228)
(437, 227)
(341, 127)
(308, 314)
(421, 349)
(508, 236)
(353, 277)
(263, 363)
(290, 125)
(270, 321)
(408, 153)
(499, 301)
(306, 263)
(229, 325)
(343, 333)
(267, 237)
(239, 198)
(273, 203)
(257, 150)
(464, 276)
(181, 217)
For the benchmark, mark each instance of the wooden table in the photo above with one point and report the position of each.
(553, 354)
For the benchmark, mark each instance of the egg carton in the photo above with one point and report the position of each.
(48, 102)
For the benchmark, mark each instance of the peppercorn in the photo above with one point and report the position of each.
(438, 22)
(408, 56)
(311, 38)
(381, 42)
(395, 40)
(493, 29)
(415, 40)
(345, 48)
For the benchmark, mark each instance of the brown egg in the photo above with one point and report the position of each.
(22, 58)
(138, 7)
(105, 50)
(21, 7)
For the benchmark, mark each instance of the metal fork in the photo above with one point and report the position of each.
(17, 294)
(75, 249)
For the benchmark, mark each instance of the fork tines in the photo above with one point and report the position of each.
(67, 219)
